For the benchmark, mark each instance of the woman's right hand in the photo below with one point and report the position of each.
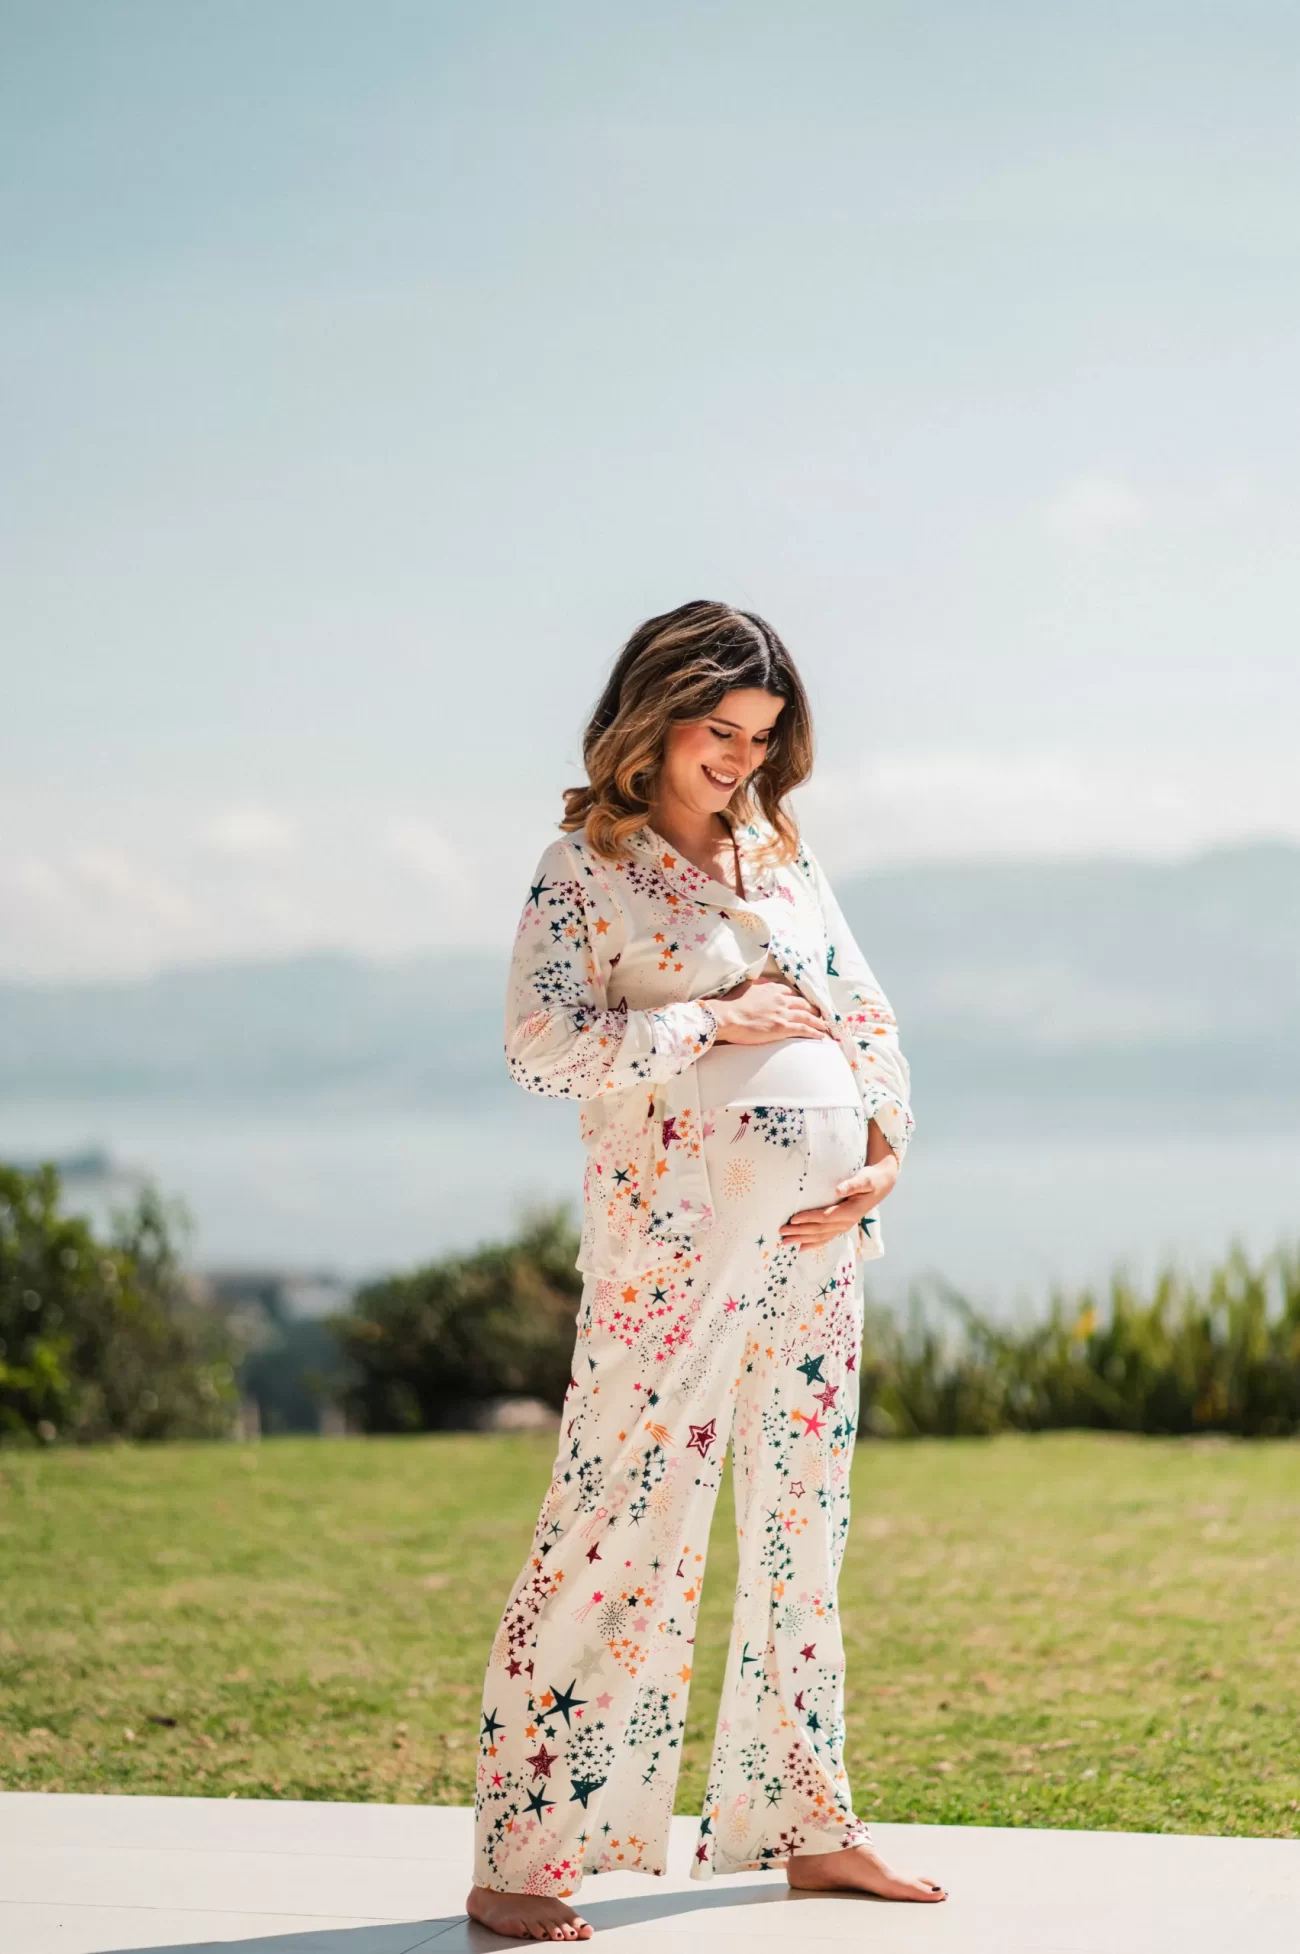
(763, 1012)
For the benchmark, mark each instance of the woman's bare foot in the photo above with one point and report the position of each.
(857, 1870)
(525, 1916)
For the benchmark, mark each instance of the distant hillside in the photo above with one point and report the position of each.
(1098, 978)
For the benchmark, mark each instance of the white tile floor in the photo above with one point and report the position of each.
(98, 1875)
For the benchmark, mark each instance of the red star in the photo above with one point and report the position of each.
(701, 1852)
(593, 1553)
(543, 1761)
(702, 1437)
(827, 1396)
(812, 1426)
(806, 1652)
(798, 1701)
(514, 1667)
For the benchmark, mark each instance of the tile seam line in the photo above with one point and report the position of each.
(234, 1913)
(241, 1851)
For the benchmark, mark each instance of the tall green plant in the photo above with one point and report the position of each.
(1221, 1355)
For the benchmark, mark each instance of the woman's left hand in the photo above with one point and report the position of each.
(859, 1194)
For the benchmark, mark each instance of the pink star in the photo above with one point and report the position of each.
(812, 1426)
(604, 1700)
(640, 1625)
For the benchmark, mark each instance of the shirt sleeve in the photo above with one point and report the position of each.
(562, 1037)
(862, 1011)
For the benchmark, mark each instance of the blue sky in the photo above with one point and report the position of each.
(370, 370)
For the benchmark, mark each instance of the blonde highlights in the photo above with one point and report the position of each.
(676, 668)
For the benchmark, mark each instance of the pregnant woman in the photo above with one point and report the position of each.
(683, 971)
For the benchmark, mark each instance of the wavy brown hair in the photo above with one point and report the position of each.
(675, 668)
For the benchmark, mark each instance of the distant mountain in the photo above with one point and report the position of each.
(1110, 980)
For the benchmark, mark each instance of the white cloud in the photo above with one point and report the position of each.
(251, 834)
(967, 805)
(1094, 507)
(420, 846)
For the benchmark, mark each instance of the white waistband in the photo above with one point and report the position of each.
(796, 1072)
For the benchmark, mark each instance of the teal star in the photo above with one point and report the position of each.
(539, 1804)
(490, 1725)
(565, 1700)
(537, 891)
(583, 1788)
(812, 1369)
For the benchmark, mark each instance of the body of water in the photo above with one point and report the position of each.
(1000, 1213)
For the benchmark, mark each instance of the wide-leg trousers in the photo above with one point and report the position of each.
(742, 1340)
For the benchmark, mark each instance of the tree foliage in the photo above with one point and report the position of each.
(428, 1346)
(100, 1338)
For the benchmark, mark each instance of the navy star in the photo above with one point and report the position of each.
(537, 891)
(583, 1788)
(490, 1725)
(539, 1804)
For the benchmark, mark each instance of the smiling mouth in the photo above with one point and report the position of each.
(724, 780)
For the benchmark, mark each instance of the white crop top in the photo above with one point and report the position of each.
(793, 1072)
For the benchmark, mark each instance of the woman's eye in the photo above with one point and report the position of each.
(718, 733)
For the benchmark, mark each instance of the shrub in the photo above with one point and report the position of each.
(101, 1338)
(427, 1346)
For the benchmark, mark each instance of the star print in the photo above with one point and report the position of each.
(808, 1650)
(604, 1700)
(812, 1369)
(566, 1701)
(593, 1552)
(583, 1788)
(490, 1725)
(543, 1761)
(539, 1804)
(812, 1425)
(537, 891)
(827, 1395)
(702, 1437)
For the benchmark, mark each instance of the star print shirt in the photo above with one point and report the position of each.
(612, 969)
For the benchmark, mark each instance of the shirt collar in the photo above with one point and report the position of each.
(693, 884)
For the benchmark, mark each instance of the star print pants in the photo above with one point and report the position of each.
(741, 1341)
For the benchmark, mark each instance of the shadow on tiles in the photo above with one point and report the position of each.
(425, 1936)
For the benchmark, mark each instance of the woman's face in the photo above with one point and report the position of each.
(705, 760)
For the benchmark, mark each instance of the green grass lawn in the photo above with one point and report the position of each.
(1066, 1630)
